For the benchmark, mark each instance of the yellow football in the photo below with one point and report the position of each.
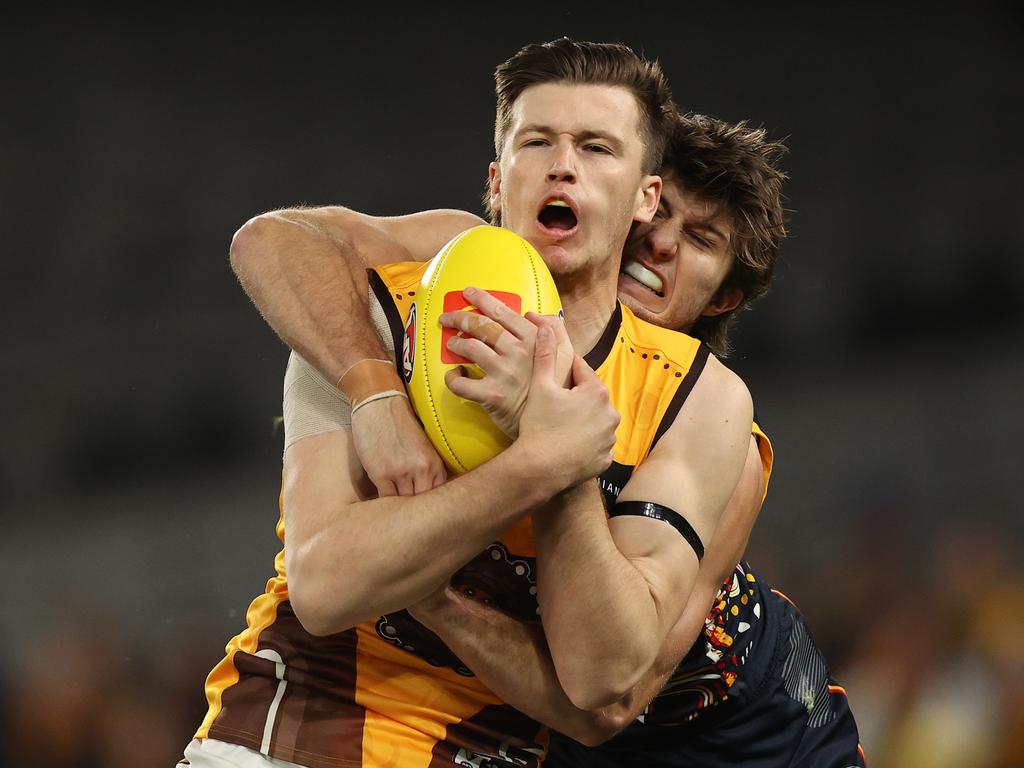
(510, 269)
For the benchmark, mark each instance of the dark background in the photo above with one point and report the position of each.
(140, 466)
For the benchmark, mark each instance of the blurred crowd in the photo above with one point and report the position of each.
(921, 624)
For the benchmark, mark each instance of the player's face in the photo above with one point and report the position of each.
(673, 267)
(570, 178)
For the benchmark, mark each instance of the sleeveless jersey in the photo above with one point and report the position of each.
(389, 692)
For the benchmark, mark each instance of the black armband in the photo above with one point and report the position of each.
(658, 512)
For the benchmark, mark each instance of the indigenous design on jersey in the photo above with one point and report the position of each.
(494, 577)
(389, 692)
(714, 668)
(709, 671)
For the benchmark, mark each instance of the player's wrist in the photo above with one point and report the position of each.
(541, 470)
(369, 381)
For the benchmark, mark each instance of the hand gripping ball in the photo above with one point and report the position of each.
(510, 269)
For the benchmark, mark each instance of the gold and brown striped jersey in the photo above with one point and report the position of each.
(389, 692)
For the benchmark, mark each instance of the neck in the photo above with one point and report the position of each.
(588, 307)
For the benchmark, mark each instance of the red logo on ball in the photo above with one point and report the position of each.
(455, 301)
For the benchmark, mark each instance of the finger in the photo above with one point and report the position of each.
(453, 373)
(422, 481)
(540, 320)
(478, 326)
(544, 356)
(405, 486)
(489, 333)
(468, 388)
(498, 311)
(473, 350)
(384, 487)
(556, 324)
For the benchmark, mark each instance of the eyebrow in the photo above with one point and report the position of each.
(709, 227)
(581, 136)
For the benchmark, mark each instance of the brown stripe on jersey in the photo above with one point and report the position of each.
(395, 322)
(700, 359)
(612, 481)
(505, 735)
(604, 345)
(317, 723)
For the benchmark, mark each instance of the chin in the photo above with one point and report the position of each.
(638, 308)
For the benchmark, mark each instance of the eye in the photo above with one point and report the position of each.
(702, 242)
(534, 143)
(599, 149)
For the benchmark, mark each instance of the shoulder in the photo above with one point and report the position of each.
(718, 410)
(723, 384)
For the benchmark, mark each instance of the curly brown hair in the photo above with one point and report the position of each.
(735, 168)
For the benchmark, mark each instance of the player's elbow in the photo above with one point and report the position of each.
(594, 689)
(251, 245)
(321, 608)
(600, 726)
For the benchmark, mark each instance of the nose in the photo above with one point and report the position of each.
(664, 242)
(563, 164)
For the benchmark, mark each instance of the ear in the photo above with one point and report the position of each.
(726, 300)
(494, 184)
(647, 198)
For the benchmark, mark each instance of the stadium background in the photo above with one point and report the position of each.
(139, 468)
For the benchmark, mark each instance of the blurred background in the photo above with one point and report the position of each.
(140, 463)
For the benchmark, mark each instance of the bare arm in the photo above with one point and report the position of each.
(512, 658)
(350, 557)
(611, 591)
(305, 270)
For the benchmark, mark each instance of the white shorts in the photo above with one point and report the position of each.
(210, 753)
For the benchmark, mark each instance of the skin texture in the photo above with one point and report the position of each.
(648, 571)
(687, 246)
(579, 144)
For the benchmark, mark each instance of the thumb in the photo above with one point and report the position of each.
(582, 373)
(544, 355)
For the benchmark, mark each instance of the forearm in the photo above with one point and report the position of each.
(602, 619)
(350, 560)
(309, 282)
(512, 659)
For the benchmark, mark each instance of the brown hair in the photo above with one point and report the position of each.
(583, 63)
(733, 167)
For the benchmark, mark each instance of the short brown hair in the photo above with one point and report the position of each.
(583, 63)
(733, 167)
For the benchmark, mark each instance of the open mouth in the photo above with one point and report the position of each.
(557, 215)
(644, 276)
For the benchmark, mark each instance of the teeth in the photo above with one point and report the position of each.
(558, 203)
(641, 274)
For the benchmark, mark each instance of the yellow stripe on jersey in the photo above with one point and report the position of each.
(764, 447)
(403, 280)
(648, 361)
(261, 614)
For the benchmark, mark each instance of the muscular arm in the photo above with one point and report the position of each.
(305, 270)
(611, 591)
(512, 658)
(350, 557)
